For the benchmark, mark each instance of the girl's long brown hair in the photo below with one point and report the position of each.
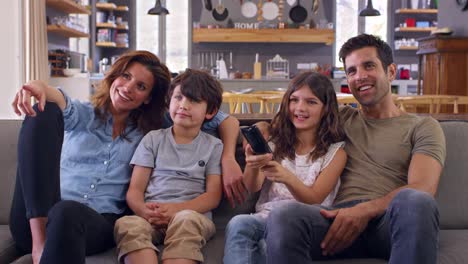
(147, 116)
(283, 132)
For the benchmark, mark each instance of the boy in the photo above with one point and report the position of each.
(176, 179)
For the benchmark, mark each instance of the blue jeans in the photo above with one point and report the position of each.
(406, 233)
(245, 240)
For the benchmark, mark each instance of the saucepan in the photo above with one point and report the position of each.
(298, 13)
(220, 12)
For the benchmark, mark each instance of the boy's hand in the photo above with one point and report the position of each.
(147, 211)
(166, 211)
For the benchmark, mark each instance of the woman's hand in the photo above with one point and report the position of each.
(256, 161)
(22, 102)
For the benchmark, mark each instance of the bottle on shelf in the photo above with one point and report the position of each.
(257, 68)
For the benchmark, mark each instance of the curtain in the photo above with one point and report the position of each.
(35, 64)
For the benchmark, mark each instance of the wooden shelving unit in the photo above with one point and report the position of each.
(106, 44)
(415, 11)
(68, 6)
(122, 8)
(326, 36)
(106, 25)
(122, 27)
(106, 6)
(414, 29)
(66, 31)
(111, 45)
(407, 48)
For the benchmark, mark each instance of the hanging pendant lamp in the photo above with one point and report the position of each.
(369, 10)
(158, 9)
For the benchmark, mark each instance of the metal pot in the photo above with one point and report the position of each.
(220, 13)
(298, 13)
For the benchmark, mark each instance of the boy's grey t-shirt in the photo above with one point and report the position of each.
(179, 170)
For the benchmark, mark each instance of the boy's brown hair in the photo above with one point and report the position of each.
(199, 86)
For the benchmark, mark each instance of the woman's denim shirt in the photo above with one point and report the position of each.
(95, 169)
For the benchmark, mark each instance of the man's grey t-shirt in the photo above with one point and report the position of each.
(179, 170)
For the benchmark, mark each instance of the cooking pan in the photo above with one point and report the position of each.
(248, 9)
(298, 13)
(270, 10)
(208, 5)
(220, 13)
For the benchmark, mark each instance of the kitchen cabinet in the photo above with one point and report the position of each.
(405, 31)
(443, 65)
(325, 36)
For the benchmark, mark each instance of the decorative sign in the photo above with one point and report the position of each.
(246, 25)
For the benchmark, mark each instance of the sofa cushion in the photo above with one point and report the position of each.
(452, 246)
(9, 130)
(8, 251)
(452, 195)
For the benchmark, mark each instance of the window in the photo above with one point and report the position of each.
(175, 30)
(348, 23)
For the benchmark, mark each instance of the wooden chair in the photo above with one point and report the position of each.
(346, 99)
(434, 102)
(271, 99)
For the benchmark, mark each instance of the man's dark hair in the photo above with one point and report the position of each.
(199, 86)
(384, 52)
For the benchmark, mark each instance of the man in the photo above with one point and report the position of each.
(385, 206)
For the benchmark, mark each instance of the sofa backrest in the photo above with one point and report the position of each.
(9, 130)
(452, 195)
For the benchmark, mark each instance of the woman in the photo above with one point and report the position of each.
(78, 188)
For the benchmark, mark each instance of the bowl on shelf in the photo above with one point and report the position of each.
(71, 72)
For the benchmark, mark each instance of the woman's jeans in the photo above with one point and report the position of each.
(73, 230)
(406, 233)
(245, 240)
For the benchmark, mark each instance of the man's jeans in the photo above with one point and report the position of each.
(245, 240)
(406, 233)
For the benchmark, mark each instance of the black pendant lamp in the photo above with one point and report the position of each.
(369, 10)
(158, 9)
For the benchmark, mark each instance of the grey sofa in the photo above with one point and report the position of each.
(452, 198)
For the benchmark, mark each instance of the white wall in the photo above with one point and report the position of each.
(10, 47)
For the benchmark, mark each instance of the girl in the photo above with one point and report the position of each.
(78, 188)
(308, 158)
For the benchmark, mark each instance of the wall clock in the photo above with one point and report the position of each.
(463, 4)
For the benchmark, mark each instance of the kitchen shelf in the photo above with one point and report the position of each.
(416, 11)
(110, 45)
(407, 48)
(106, 25)
(326, 36)
(106, 6)
(66, 31)
(106, 44)
(122, 27)
(414, 29)
(68, 6)
(122, 8)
